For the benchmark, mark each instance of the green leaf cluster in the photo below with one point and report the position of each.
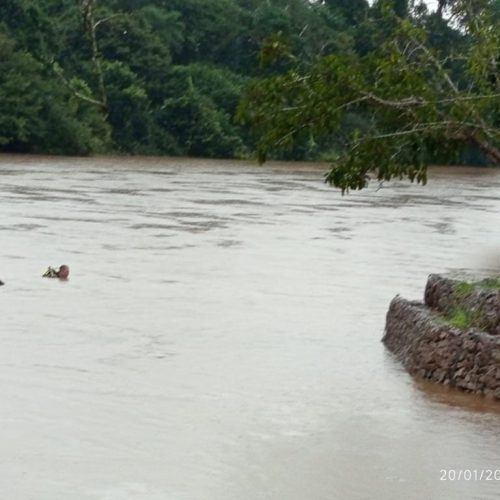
(364, 85)
(139, 76)
(416, 103)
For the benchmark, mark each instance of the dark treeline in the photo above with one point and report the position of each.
(165, 76)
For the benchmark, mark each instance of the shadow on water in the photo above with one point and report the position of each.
(454, 398)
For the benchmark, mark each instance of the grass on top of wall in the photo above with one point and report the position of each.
(463, 319)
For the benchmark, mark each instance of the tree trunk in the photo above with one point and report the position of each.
(488, 148)
(87, 7)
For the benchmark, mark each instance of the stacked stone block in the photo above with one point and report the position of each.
(429, 347)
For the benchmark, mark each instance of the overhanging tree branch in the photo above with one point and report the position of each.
(411, 107)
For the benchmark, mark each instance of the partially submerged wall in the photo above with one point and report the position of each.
(423, 339)
(444, 295)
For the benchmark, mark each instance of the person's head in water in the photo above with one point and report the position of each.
(63, 272)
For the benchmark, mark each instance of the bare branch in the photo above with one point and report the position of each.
(446, 124)
(402, 103)
(418, 101)
(75, 92)
(87, 8)
(105, 20)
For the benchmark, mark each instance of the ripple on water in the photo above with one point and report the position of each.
(21, 227)
(219, 337)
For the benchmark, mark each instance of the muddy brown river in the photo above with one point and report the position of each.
(219, 337)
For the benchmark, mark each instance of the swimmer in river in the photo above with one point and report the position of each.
(62, 273)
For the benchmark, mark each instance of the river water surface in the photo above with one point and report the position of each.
(219, 337)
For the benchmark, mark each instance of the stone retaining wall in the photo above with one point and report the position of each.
(444, 294)
(431, 348)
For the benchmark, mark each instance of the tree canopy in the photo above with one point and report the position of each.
(386, 87)
(427, 92)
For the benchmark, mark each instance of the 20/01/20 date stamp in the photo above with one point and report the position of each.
(469, 474)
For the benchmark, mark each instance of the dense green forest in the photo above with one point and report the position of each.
(165, 77)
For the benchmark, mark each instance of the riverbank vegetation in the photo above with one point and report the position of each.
(415, 89)
(389, 85)
(464, 287)
(472, 304)
(463, 319)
